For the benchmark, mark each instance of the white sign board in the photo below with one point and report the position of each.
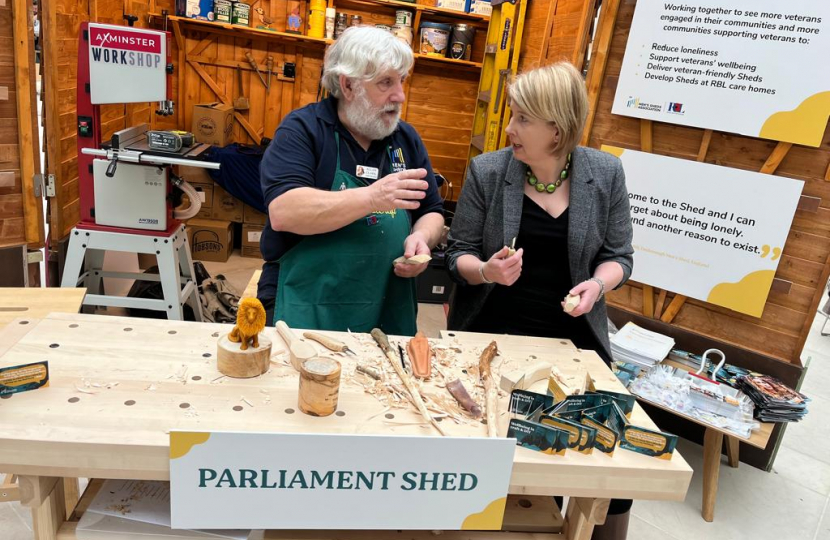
(126, 65)
(707, 232)
(754, 67)
(297, 481)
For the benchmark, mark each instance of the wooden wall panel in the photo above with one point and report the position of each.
(782, 329)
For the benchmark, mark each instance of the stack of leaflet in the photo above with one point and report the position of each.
(139, 509)
(774, 400)
(641, 347)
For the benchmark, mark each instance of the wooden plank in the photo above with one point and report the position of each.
(48, 516)
(532, 514)
(674, 308)
(35, 489)
(704, 145)
(648, 301)
(596, 71)
(223, 98)
(36, 303)
(776, 157)
(661, 300)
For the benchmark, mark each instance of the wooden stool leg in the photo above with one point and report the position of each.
(582, 515)
(45, 496)
(71, 494)
(733, 446)
(712, 445)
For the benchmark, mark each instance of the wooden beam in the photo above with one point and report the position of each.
(712, 444)
(35, 489)
(224, 99)
(674, 308)
(776, 157)
(596, 72)
(202, 45)
(26, 125)
(827, 173)
(582, 34)
(648, 301)
(298, 78)
(704, 145)
(543, 51)
(9, 490)
(661, 300)
(180, 78)
(646, 135)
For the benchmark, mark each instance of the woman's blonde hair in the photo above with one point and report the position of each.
(554, 93)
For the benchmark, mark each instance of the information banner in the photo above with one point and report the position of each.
(707, 232)
(226, 480)
(754, 67)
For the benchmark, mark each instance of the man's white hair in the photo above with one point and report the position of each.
(364, 52)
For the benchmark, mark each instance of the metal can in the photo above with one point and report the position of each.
(403, 33)
(384, 27)
(403, 17)
(461, 44)
(241, 14)
(356, 20)
(340, 24)
(222, 11)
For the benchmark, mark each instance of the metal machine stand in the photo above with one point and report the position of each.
(85, 261)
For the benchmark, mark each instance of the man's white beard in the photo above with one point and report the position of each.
(367, 119)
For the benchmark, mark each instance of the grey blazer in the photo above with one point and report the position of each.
(489, 213)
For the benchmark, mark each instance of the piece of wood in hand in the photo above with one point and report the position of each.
(234, 362)
(417, 259)
(319, 386)
(571, 302)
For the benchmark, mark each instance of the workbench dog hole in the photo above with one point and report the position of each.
(171, 332)
(340, 413)
(53, 345)
(289, 411)
(129, 402)
(6, 396)
(206, 355)
(184, 405)
(577, 360)
(73, 326)
(24, 322)
(195, 378)
(128, 329)
(237, 408)
(74, 399)
(389, 416)
(524, 503)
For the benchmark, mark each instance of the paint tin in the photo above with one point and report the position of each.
(316, 23)
(403, 17)
(317, 5)
(435, 38)
(461, 44)
(403, 33)
(384, 27)
(341, 22)
(222, 11)
(331, 15)
(356, 20)
(241, 14)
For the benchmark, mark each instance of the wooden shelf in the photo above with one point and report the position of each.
(396, 4)
(209, 26)
(465, 63)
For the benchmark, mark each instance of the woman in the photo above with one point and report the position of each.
(565, 210)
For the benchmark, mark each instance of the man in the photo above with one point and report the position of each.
(349, 188)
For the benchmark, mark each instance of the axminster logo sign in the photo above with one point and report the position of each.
(125, 47)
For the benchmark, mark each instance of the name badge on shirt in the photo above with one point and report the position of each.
(367, 172)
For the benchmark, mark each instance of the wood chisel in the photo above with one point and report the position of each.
(299, 351)
(254, 65)
(269, 64)
(329, 342)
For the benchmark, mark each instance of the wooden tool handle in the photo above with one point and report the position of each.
(490, 392)
(326, 341)
(269, 62)
(286, 333)
(382, 341)
(251, 60)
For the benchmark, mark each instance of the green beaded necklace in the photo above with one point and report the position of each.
(550, 188)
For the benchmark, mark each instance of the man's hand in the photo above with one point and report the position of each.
(415, 244)
(588, 292)
(400, 190)
(502, 269)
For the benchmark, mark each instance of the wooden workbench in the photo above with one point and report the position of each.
(119, 385)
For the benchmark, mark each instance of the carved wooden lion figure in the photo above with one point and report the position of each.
(250, 321)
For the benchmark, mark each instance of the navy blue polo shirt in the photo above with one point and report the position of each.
(303, 153)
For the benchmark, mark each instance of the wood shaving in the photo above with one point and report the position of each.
(242, 399)
(217, 379)
(151, 387)
(84, 390)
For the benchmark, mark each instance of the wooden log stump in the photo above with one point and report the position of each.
(319, 386)
(239, 364)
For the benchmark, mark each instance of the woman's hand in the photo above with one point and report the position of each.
(588, 292)
(502, 269)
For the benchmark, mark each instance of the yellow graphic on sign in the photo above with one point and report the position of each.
(489, 519)
(615, 150)
(747, 296)
(182, 441)
(803, 125)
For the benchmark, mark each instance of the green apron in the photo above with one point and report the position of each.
(344, 279)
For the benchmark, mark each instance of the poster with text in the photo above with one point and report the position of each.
(754, 67)
(707, 232)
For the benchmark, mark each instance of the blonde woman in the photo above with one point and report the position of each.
(567, 208)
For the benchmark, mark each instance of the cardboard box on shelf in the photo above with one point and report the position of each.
(210, 240)
(253, 216)
(195, 175)
(213, 123)
(205, 192)
(481, 7)
(251, 234)
(225, 206)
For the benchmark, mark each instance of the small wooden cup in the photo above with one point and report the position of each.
(234, 362)
(319, 386)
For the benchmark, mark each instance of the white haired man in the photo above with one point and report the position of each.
(349, 188)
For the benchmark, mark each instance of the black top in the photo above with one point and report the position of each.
(532, 305)
(304, 154)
